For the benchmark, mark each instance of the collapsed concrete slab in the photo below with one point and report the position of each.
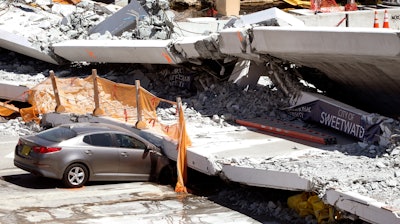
(362, 62)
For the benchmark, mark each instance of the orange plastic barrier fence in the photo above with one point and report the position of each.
(184, 142)
(7, 109)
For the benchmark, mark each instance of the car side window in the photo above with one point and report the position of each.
(98, 139)
(126, 141)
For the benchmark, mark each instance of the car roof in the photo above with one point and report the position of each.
(88, 127)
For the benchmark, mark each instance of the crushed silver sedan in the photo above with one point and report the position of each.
(81, 152)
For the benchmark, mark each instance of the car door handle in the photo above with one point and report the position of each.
(89, 152)
(124, 154)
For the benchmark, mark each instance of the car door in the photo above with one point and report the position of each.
(101, 156)
(132, 164)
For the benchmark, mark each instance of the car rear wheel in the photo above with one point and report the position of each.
(76, 175)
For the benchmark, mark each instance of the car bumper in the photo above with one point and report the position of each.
(37, 169)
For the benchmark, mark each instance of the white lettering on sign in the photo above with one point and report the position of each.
(304, 109)
(179, 80)
(343, 125)
(297, 114)
(346, 115)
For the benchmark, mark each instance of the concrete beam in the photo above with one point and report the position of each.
(117, 51)
(266, 178)
(326, 41)
(366, 208)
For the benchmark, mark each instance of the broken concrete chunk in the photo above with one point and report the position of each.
(247, 73)
(44, 2)
(63, 10)
(124, 19)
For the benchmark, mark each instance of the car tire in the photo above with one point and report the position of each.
(76, 175)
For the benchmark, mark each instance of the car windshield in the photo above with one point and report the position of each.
(57, 134)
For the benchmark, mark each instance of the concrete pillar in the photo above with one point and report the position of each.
(228, 7)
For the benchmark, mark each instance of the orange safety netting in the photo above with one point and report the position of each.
(67, 2)
(5, 111)
(116, 100)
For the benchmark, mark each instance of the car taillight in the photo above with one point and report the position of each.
(43, 149)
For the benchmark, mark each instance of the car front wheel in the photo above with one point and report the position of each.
(76, 175)
(168, 176)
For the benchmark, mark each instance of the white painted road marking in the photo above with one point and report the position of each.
(9, 142)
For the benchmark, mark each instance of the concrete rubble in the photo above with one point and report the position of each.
(198, 40)
(211, 105)
(207, 121)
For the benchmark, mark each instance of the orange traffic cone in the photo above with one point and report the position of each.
(376, 24)
(386, 20)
